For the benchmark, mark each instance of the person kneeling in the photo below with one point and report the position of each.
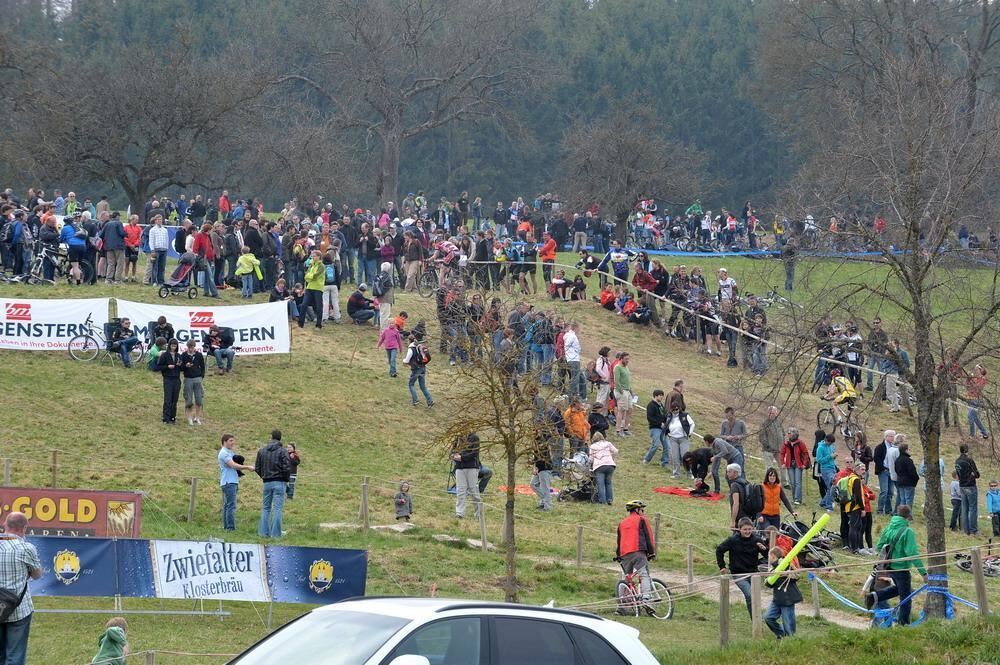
(360, 308)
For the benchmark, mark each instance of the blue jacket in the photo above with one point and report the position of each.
(993, 501)
(68, 236)
(824, 456)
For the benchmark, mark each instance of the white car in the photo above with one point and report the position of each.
(436, 631)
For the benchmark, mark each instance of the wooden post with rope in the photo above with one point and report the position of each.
(724, 610)
(363, 513)
(150, 658)
(756, 612)
(656, 527)
(690, 567)
(980, 582)
(815, 595)
(482, 529)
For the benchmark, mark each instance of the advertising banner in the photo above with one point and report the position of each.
(209, 570)
(76, 567)
(258, 329)
(47, 325)
(315, 575)
(76, 513)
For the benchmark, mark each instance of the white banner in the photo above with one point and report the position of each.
(209, 570)
(259, 329)
(48, 325)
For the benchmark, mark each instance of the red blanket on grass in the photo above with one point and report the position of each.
(525, 489)
(686, 492)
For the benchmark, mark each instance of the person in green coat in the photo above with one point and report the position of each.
(902, 542)
(315, 283)
(113, 643)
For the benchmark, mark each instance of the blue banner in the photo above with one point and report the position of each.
(107, 567)
(315, 575)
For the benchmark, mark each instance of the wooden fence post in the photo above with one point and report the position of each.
(656, 527)
(724, 610)
(690, 567)
(482, 528)
(756, 612)
(579, 545)
(772, 538)
(55, 468)
(815, 594)
(980, 581)
(192, 499)
(6, 472)
(150, 658)
(364, 505)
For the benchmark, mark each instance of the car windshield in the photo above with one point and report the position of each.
(327, 638)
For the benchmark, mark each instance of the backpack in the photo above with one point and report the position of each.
(7, 235)
(421, 356)
(331, 275)
(841, 492)
(379, 287)
(752, 499)
(592, 374)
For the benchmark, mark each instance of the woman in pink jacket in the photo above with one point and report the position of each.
(392, 341)
(602, 461)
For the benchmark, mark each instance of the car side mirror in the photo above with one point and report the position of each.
(410, 659)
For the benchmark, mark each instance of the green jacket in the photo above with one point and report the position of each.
(315, 276)
(906, 545)
(623, 378)
(111, 647)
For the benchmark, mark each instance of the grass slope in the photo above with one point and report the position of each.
(333, 397)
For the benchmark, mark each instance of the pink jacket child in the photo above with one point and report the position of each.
(390, 340)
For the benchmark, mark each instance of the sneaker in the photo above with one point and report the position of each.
(430, 405)
(870, 600)
(197, 421)
(416, 404)
(190, 421)
(645, 461)
(797, 503)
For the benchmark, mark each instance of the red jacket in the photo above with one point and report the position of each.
(635, 535)
(644, 280)
(224, 206)
(794, 451)
(203, 246)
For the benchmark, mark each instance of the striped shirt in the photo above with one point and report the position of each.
(17, 556)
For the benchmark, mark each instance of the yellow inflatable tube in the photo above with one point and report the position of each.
(803, 541)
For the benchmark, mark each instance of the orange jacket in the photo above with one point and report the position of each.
(577, 425)
(548, 250)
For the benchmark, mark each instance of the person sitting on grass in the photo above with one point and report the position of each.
(578, 289)
(559, 287)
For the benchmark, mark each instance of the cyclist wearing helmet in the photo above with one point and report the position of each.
(636, 547)
(841, 391)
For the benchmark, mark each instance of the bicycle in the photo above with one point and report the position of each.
(60, 268)
(827, 416)
(991, 563)
(659, 604)
(428, 281)
(88, 345)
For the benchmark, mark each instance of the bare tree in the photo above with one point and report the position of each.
(623, 157)
(399, 68)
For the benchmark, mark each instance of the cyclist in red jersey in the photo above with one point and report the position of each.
(636, 547)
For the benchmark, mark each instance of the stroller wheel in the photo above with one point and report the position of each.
(164, 291)
(193, 292)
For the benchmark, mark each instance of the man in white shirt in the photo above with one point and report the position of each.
(727, 286)
(571, 353)
(159, 245)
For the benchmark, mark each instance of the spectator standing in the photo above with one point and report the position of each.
(332, 271)
(895, 362)
(861, 453)
(159, 245)
(826, 458)
(679, 427)
(876, 344)
(968, 473)
(315, 287)
(955, 490)
(602, 456)
(294, 459)
(975, 384)
(383, 290)
(676, 397)
(577, 426)
(774, 497)
(571, 355)
(656, 418)
(403, 502)
(113, 238)
(993, 506)
(884, 505)
(623, 396)
(786, 595)
(229, 480)
(771, 436)
(738, 506)
(169, 366)
(734, 431)
(273, 466)
(18, 562)
(906, 477)
(465, 454)
(417, 357)
(795, 460)
(855, 508)
(902, 542)
(541, 474)
(602, 368)
(744, 549)
(391, 340)
(193, 368)
(891, 455)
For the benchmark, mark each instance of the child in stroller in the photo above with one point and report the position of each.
(178, 281)
(579, 479)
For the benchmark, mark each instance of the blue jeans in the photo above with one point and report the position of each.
(827, 500)
(458, 338)
(390, 355)
(873, 363)
(418, 375)
(543, 358)
(602, 476)
(14, 641)
(902, 588)
(974, 421)
(884, 493)
(737, 459)
(970, 510)
(787, 625)
(228, 354)
(229, 491)
(270, 514)
(758, 359)
(370, 272)
(657, 440)
(159, 271)
(125, 347)
(795, 478)
(347, 259)
(743, 584)
(904, 496)
(247, 282)
(209, 280)
(363, 315)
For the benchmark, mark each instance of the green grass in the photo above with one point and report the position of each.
(333, 397)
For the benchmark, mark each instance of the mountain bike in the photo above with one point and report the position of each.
(659, 604)
(60, 268)
(88, 345)
(991, 563)
(827, 419)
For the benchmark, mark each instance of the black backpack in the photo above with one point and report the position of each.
(752, 499)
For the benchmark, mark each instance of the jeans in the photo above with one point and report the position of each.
(230, 269)
(370, 269)
(970, 510)
(827, 500)
(160, 266)
(974, 421)
(458, 338)
(14, 641)
(602, 476)
(418, 375)
(904, 496)
(363, 315)
(787, 614)
(577, 382)
(758, 359)
(902, 589)
(270, 514)
(125, 348)
(737, 459)
(390, 355)
(657, 440)
(229, 491)
(956, 514)
(269, 265)
(731, 337)
(743, 584)
(485, 473)
(466, 484)
(247, 285)
(874, 362)
(347, 259)
(313, 299)
(541, 482)
(884, 493)
(795, 478)
(228, 354)
(544, 357)
(789, 274)
(210, 290)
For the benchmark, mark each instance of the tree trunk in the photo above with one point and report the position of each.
(621, 226)
(136, 193)
(388, 180)
(510, 546)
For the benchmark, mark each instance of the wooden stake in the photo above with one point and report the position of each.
(55, 468)
(724, 610)
(980, 581)
(756, 613)
(656, 528)
(364, 505)
(350, 363)
(6, 471)
(579, 545)
(150, 658)
(192, 499)
(482, 528)
(690, 567)
(772, 538)
(815, 593)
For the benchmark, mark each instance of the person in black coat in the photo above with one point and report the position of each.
(169, 365)
(697, 462)
(906, 477)
(745, 549)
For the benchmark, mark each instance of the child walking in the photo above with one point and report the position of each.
(112, 645)
(391, 340)
(403, 502)
(786, 596)
(993, 505)
(293, 472)
(956, 502)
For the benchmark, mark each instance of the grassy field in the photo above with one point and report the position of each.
(333, 397)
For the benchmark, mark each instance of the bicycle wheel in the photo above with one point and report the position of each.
(628, 603)
(991, 569)
(682, 244)
(966, 565)
(850, 424)
(35, 280)
(631, 244)
(86, 272)
(661, 604)
(137, 353)
(84, 347)
(427, 284)
(825, 418)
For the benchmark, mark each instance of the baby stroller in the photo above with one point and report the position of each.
(818, 552)
(177, 283)
(579, 479)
